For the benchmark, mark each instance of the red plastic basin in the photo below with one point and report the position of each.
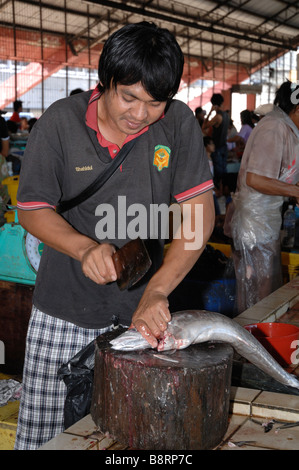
(280, 339)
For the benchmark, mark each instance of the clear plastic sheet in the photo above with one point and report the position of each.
(256, 252)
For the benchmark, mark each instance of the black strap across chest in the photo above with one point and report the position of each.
(100, 180)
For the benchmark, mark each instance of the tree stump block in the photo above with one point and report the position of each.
(146, 402)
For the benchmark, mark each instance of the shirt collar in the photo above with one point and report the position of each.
(91, 118)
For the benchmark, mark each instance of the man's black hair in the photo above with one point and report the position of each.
(145, 53)
(283, 97)
(217, 99)
(17, 105)
(246, 118)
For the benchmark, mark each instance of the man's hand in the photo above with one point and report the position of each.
(152, 316)
(54, 231)
(97, 263)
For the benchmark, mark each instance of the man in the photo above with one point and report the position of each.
(18, 108)
(75, 297)
(219, 123)
(200, 115)
(269, 173)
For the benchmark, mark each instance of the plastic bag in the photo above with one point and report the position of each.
(10, 390)
(256, 218)
(77, 375)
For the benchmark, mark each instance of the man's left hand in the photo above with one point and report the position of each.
(152, 316)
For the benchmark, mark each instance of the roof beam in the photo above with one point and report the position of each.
(258, 15)
(172, 17)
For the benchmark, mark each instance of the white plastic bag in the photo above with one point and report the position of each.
(10, 390)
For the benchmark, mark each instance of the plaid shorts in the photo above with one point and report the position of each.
(50, 343)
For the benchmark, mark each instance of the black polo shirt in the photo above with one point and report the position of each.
(64, 154)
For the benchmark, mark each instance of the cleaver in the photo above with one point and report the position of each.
(131, 263)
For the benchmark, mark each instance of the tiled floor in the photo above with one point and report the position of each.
(251, 411)
(291, 316)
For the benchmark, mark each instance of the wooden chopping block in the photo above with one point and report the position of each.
(149, 403)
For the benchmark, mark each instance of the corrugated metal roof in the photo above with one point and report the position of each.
(217, 37)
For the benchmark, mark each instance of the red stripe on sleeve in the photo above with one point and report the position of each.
(29, 206)
(201, 188)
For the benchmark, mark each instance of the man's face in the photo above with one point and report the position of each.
(129, 108)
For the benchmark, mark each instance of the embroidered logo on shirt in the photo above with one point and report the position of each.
(161, 157)
(84, 168)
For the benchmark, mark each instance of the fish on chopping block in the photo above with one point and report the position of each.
(199, 326)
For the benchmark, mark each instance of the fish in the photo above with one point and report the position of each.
(199, 326)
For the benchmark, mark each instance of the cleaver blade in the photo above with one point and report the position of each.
(131, 262)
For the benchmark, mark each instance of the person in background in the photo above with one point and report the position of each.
(31, 123)
(232, 132)
(219, 123)
(76, 297)
(200, 115)
(269, 172)
(24, 125)
(241, 137)
(12, 127)
(210, 148)
(4, 152)
(18, 108)
(247, 124)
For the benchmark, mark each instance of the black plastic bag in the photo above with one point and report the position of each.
(77, 375)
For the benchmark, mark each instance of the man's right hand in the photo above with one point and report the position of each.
(97, 263)
(54, 231)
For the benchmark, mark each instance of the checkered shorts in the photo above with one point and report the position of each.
(50, 343)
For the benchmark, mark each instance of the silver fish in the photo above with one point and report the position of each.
(130, 340)
(199, 326)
